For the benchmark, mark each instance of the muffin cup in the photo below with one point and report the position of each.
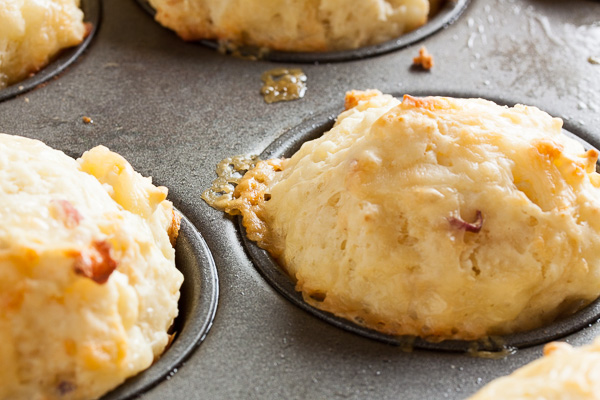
(289, 143)
(448, 13)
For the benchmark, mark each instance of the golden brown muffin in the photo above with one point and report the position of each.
(88, 284)
(437, 217)
(32, 32)
(304, 25)
(564, 373)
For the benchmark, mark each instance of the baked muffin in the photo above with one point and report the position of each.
(32, 32)
(563, 373)
(88, 284)
(436, 217)
(322, 25)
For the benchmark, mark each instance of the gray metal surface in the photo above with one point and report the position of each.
(175, 109)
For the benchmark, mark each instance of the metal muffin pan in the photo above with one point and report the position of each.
(175, 109)
(197, 308)
(289, 143)
(447, 14)
(92, 10)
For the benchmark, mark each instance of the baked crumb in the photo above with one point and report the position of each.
(424, 59)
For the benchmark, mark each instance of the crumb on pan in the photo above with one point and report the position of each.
(424, 59)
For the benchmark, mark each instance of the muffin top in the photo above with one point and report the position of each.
(88, 284)
(564, 372)
(32, 32)
(437, 217)
(322, 25)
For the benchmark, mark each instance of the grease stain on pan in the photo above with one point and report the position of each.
(448, 13)
(490, 347)
(92, 10)
(197, 308)
(282, 84)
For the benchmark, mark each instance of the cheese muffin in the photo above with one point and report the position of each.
(563, 373)
(88, 284)
(34, 31)
(321, 25)
(437, 217)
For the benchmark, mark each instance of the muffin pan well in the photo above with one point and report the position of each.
(197, 308)
(92, 10)
(288, 144)
(448, 13)
(175, 109)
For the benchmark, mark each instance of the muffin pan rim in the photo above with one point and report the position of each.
(92, 14)
(204, 301)
(447, 15)
(291, 140)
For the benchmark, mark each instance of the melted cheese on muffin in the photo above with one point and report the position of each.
(437, 217)
(88, 284)
(32, 32)
(563, 373)
(293, 26)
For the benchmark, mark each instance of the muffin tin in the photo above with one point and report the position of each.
(175, 109)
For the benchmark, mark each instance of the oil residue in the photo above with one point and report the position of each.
(282, 84)
(492, 347)
(229, 173)
(244, 52)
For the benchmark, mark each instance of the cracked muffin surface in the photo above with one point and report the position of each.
(88, 283)
(34, 31)
(437, 217)
(304, 25)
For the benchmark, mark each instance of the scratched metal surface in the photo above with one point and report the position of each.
(175, 109)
